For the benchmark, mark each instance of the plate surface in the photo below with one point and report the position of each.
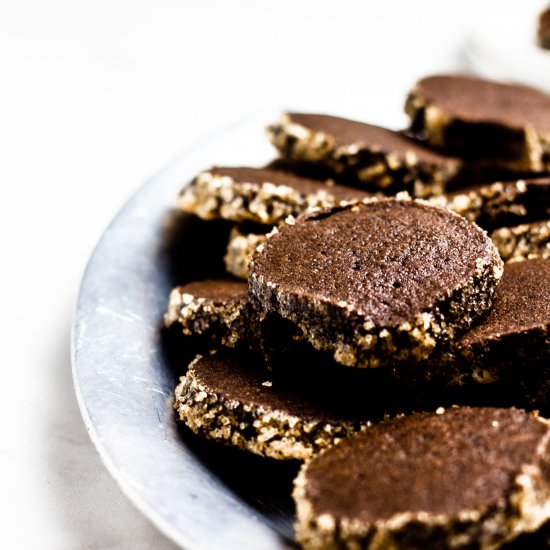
(201, 495)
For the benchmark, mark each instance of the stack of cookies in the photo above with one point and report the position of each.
(385, 318)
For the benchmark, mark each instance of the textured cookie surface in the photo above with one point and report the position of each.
(482, 119)
(502, 203)
(215, 309)
(466, 478)
(260, 195)
(378, 282)
(523, 242)
(376, 157)
(232, 399)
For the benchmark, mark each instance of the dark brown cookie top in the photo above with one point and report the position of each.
(464, 459)
(329, 394)
(475, 100)
(521, 303)
(347, 132)
(304, 186)
(216, 290)
(388, 260)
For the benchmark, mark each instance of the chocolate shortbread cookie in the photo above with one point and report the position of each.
(502, 124)
(234, 400)
(376, 283)
(526, 241)
(501, 203)
(260, 195)
(377, 158)
(543, 29)
(464, 478)
(512, 339)
(217, 310)
(240, 249)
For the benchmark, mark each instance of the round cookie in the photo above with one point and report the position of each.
(463, 478)
(215, 309)
(375, 157)
(513, 339)
(233, 400)
(377, 282)
(260, 195)
(504, 124)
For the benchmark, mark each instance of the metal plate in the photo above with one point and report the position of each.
(199, 494)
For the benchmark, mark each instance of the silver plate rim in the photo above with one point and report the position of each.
(171, 177)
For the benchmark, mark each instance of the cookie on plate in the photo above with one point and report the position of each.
(231, 398)
(512, 339)
(377, 282)
(260, 195)
(463, 478)
(217, 310)
(502, 124)
(377, 158)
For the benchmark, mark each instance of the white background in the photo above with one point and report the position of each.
(96, 96)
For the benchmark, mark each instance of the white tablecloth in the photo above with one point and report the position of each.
(95, 96)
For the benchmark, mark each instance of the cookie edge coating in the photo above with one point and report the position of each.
(431, 122)
(370, 346)
(239, 252)
(523, 242)
(526, 508)
(227, 324)
(216, 196)
(372, 167)
(485, 204)
(263, 431)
